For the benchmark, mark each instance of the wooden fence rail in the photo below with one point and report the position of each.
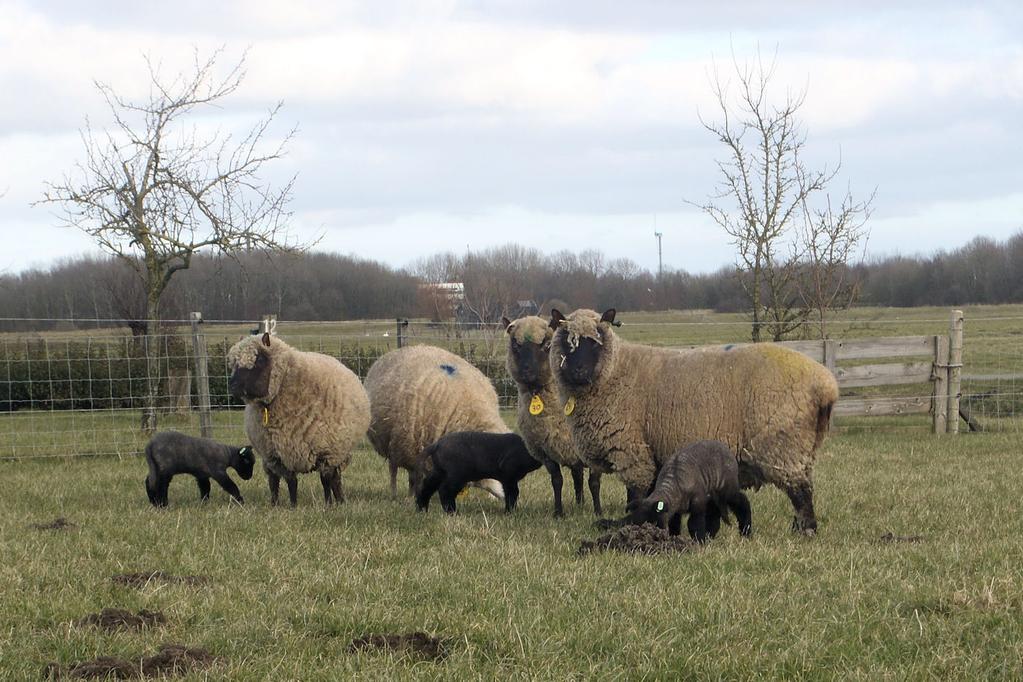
(942, 369)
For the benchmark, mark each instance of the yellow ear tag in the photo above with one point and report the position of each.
(570, 406)
(536, 405)
(266, 416)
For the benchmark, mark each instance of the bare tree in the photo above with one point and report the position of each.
(835, 241)
(764, 191)
(155, 190)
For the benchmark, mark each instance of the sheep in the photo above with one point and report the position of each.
(418, 394)
(463, 456)
(632, 406)
(702, 480)
(303, 412)
(169, 453)
(541, 420)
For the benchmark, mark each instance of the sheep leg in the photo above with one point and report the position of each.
(594, 484)
(697, 524)
(151, 492)
(393, 468)
(328, 491)
(577, 482)
(801, 496)
(633, 494)
(675, 524)
(228, 485)
(554, 469)
(204, 487)
(337, 488)
(162, 484)
(511, 494)
(448, 493)
(274, 483)
(429, 487)
(739, 504)
(713, 520)
(292, 482)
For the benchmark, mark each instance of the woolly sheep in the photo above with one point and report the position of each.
(303, 412)
(632, 406)
(169, 453)
(702, 480)
(464, 456)
(541, 419)
(419, 393)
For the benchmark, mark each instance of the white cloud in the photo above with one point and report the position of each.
(437, 122)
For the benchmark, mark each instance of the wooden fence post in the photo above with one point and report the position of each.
(955, 369)
(202, 377)
(401, 324)
(939, 395)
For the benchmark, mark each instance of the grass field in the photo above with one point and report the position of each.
(288, 590)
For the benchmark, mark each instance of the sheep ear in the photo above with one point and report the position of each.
(507, 324)
(556, 318)
(266, 339)
(609, 316)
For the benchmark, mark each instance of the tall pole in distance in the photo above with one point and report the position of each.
(660, 264)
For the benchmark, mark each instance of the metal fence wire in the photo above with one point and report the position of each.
(79, 388)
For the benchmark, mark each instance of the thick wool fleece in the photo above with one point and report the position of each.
(316, 410)
(547, 434)
(768, 403)
(418, 394)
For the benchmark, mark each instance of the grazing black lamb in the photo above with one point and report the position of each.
(169, 453)
(456, 459)
(701, 479)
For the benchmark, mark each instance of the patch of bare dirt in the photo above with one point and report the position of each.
(892, 538)
(143, 578)
(414, 643)
(645, 539)
(170, 659)
(59, 523)
(176, 659)
(119, 619)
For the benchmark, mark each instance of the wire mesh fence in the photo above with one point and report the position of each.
(80, 387)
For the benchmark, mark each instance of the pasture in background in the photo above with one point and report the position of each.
(78, 387)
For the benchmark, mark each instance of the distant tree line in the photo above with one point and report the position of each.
(325, 286)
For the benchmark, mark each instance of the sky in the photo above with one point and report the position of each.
(436, 125)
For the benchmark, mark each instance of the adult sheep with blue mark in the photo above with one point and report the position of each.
(304, 412)
(632, 406)
(420, 393)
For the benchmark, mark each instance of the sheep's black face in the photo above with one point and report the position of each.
(251, 383)
(647, 510)
(245, 461)
(529, 362)
(579, 366)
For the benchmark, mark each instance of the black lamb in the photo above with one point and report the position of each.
(456, 459)
(701, 479)
(170, 453)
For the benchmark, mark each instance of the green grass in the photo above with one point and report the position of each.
(290, 589)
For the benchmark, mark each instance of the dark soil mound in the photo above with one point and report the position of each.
(890, 537)
(417, 643)
(176, 659)
(119, 619)
(144, 578)
(59, 523)
(645, 539)
(171, 659)
(105, 667)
